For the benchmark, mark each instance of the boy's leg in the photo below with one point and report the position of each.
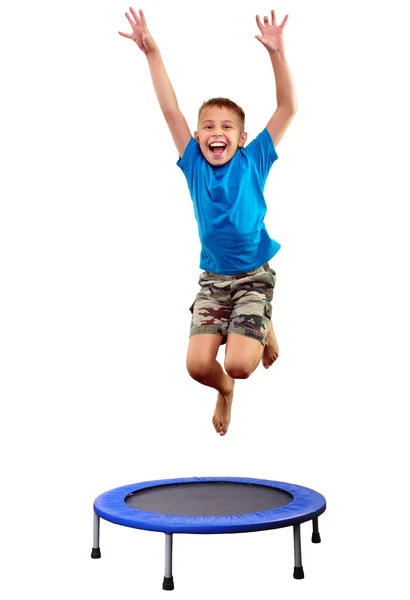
(204, 368)
(250, 331)
(242, 356)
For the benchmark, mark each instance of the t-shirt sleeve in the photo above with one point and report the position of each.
(262, 152)
(187, 162)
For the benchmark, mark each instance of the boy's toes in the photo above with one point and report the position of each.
(223, 430)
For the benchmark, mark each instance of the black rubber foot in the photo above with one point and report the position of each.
(316, 538)
(95, 553)
(298, 573)
(168, 583)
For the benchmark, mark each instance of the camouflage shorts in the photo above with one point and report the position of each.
(234, 304)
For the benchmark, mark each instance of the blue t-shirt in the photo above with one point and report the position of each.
(230, 207)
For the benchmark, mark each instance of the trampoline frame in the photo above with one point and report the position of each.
(311, 513)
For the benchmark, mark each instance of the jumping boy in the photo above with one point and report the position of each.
(226, 183)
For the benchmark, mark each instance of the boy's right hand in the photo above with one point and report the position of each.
(140, 34)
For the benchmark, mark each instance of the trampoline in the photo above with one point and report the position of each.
(206, 505)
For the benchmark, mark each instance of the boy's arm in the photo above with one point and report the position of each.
(272, 39)
(168, 102)
(162, 85)
(285, 98)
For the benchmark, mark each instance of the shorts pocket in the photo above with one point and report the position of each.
(267, 309)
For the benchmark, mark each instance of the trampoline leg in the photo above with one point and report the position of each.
(298, 570)
(316, 534)
(168, 583)
(96, 552)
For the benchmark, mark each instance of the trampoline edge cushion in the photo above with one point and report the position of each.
(305, 505)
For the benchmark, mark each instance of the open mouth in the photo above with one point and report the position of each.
(217, 148)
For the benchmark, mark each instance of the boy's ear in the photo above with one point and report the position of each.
(243, 139)
(196, 136)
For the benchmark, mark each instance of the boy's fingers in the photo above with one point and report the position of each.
(143, 21)
(130, 20)
(273, 17)
(284, 22)
(259, 22)
(127, 35)
(134, 14)
(258, 37)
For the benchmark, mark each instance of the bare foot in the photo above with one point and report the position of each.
(271, 350)
(222, 414)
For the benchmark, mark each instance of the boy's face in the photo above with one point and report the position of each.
(219, 134)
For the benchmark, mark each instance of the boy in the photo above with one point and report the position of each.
(226, 183)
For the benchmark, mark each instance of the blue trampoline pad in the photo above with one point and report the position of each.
(209, 505)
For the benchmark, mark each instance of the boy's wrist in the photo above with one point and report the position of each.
(277, 54)
(152, 52)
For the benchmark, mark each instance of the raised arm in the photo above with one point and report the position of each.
(165, 93)
(272, 39)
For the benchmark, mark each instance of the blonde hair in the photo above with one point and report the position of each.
(224, 103)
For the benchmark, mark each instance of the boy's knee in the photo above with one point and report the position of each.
(198, 369)
(238, 370)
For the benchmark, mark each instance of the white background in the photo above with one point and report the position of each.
(99, 265)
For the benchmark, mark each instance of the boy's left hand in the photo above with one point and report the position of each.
(272, 34)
